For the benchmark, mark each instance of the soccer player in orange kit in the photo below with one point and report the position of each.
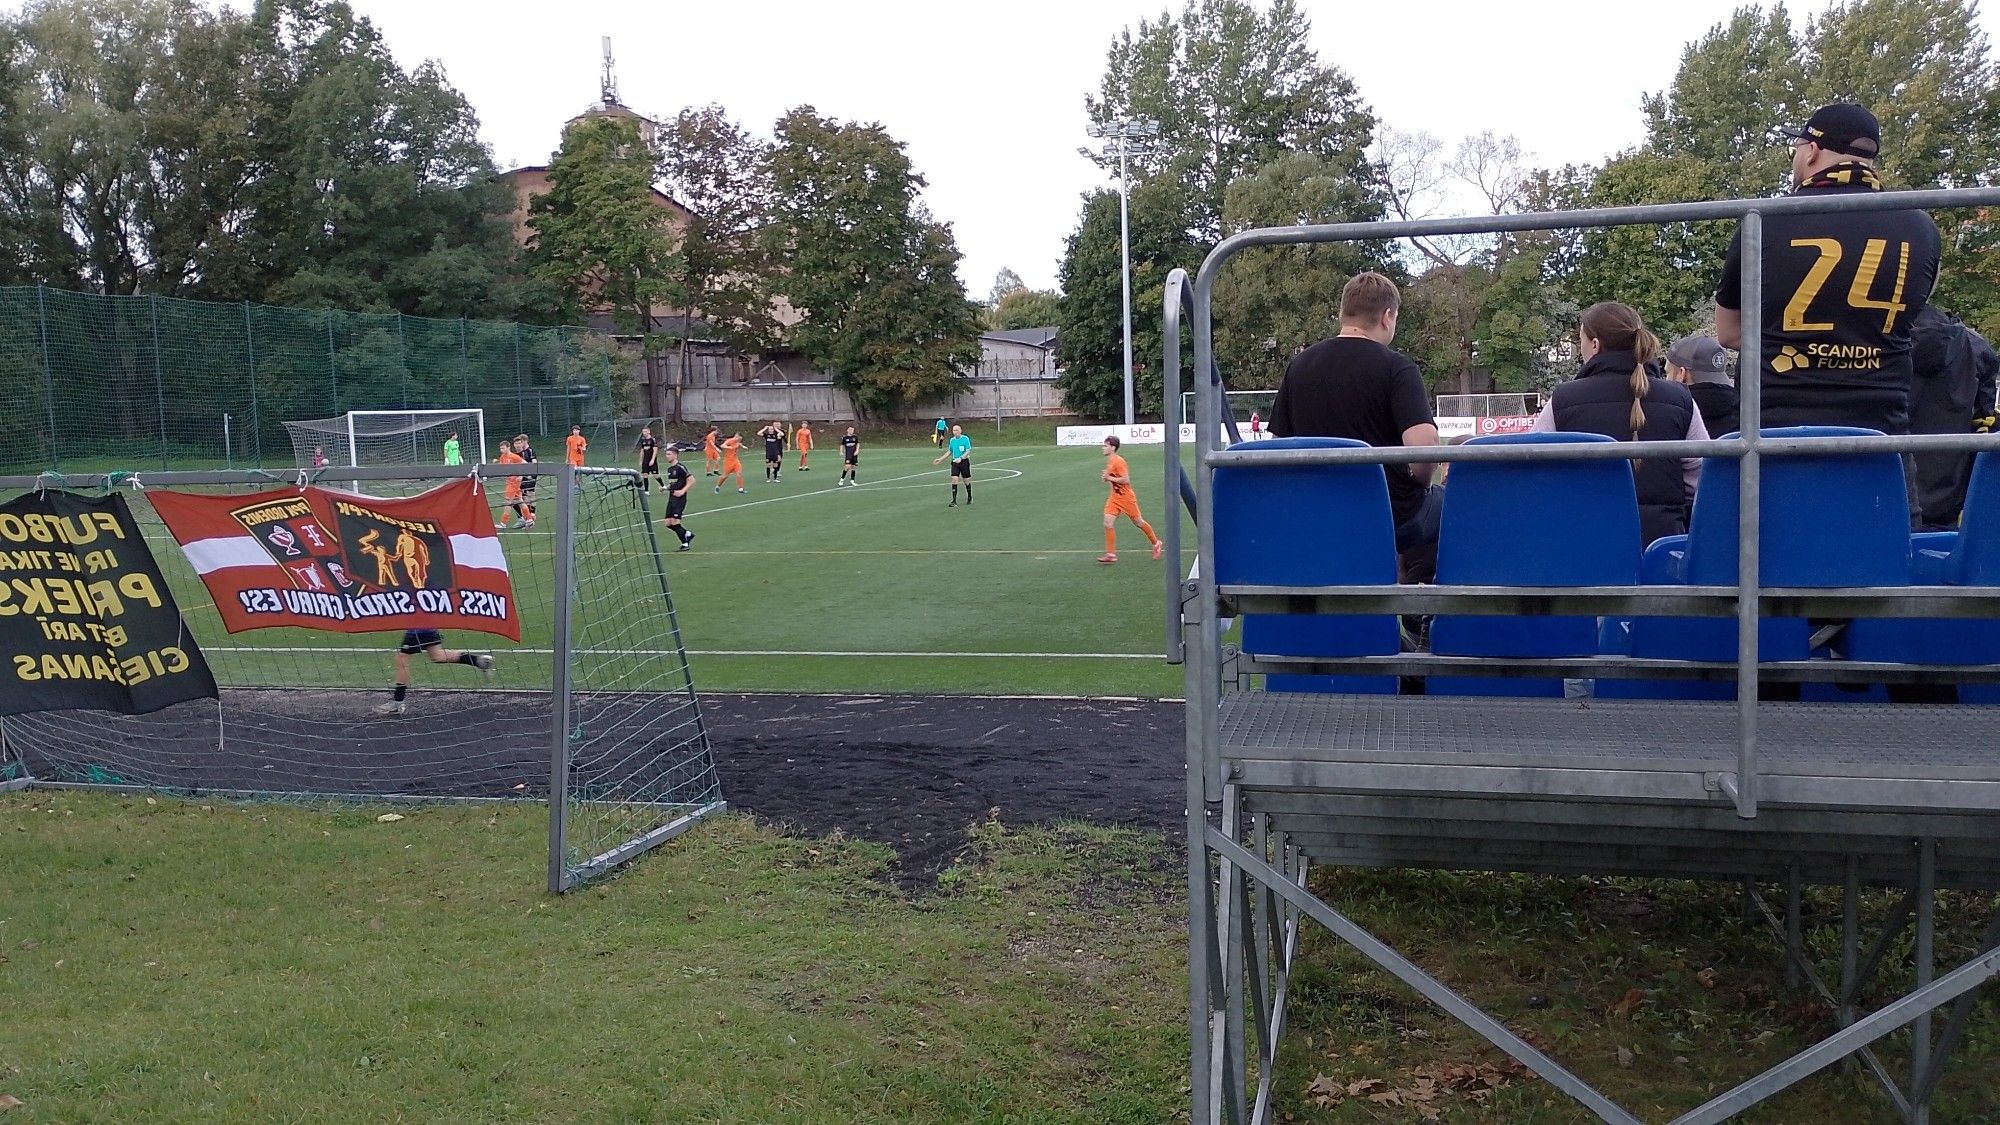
(1122, 502)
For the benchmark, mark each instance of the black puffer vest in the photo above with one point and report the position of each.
(1599, 401)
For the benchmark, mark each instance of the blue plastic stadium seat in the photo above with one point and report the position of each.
(1827, 520)
(1309, 525)
(1969, 556)
(1548, 523)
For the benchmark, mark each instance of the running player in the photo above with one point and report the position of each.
(732, 463)
(959, 449)
(649, 458)
(431, 643)
(526, 453)
(711, 457)
(513, 493)
(1122, 502)
(937, 438)
(574, 445)
(850, 458)
(679, 483)
(451, 453)
(774, 450)
(802, 440)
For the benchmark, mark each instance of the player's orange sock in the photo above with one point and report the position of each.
(1110, 541)
(1148, 529)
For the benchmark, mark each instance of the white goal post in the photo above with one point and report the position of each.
(1241, 403)
(388, 437)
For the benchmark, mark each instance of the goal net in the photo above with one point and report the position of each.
(1480, 415)
(389, 437)
(616, 441)
(594, 711)
(1242, 404)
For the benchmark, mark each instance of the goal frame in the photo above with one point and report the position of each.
(1187, 403)
(567, 867)
(354, 445)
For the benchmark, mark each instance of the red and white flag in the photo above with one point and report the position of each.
(346, 563)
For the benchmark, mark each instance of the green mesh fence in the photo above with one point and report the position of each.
(93, 383)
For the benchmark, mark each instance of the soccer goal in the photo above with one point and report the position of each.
(615, 441)
(1487, 414)
(390, 437)
(1242, 404)
(593, 711)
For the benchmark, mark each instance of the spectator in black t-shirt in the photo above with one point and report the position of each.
(1354, 386)
(1702, 366)
(1840, 289)
(1952, 393)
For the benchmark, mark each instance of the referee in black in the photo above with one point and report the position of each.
(1840, 289)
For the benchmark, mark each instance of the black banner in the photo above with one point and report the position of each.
(86, 621)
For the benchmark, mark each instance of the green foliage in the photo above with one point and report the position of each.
(721, 174)
(1271, 301)
(1027, 308)
(872, 275)
(1666, 272)
(158, 147)
(1092, 345)
(601, 232)
(1232, 88)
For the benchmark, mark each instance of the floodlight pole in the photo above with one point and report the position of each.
(1124, 131)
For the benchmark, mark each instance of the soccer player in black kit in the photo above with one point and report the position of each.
(850, 458)
(679, 483)
(774, 450)
(649, 458)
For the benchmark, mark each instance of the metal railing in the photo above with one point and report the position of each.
(1750, 446)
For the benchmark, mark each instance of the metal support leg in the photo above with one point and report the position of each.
(1230, 900)
(1954, 1025)
(1850, 940)
(1795, 949)
(1920, 1028)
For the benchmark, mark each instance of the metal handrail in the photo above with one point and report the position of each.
(1748, 446)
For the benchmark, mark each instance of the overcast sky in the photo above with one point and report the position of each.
(989, 97)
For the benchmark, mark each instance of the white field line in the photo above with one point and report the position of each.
(378, 651)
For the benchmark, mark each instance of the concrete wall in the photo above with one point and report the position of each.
(824, 401)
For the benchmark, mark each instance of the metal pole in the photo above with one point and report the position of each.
(565, 583)
(1749, 499)
(1850, 940)
(1920, 1029)
(332, 363)
(1125, 271)
(250, 352)
(159, 380)
(228, 446)
(48, 373)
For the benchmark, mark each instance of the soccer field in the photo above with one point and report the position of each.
(801, 585)
(804, 586)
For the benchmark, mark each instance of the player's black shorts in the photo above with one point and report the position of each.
(962, 468)
(417, 640)
(773, 451)
(649, 464)
(528, 491)
(852, 458)
(675, 506)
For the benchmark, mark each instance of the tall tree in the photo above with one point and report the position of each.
(721, 174)
(1272, 301)
(873, 276)
(1092, 343)
(1027, 308)
(1232, 87)
(603, 234)
(1004, 282)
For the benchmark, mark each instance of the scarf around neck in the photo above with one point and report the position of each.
(1848, 173)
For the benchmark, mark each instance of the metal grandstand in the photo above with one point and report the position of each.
(1851, 795)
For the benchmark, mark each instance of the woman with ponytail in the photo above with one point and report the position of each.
(1615, 395)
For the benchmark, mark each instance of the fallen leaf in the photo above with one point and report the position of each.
(1632, 999)
(9, 1101)
(1361, 1086)
(1708, 977)
(389, 818)
(1387, 1097)
(1325, 1091)
(1625, 1057)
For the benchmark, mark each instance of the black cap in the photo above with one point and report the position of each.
(1842, 127)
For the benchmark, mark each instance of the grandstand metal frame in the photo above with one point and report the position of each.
(1789, 793)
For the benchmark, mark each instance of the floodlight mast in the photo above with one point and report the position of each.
(1124, 131)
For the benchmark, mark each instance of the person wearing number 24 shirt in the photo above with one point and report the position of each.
(1840, 289)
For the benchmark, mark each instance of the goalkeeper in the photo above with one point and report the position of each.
(451, 453)
(430, 642)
